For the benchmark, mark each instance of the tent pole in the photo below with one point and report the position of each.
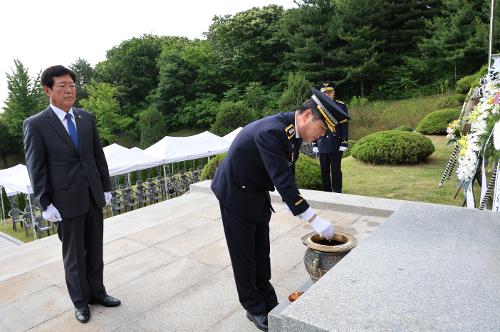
(32, 218)
(3, 208)
(165, 177)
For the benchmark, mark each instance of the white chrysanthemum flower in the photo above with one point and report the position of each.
(496, 135)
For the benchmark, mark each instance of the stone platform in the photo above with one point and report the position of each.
(169, 265)
(427, 268)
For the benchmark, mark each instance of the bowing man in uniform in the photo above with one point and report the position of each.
(70, 180)
(260, 159)
(331, 147)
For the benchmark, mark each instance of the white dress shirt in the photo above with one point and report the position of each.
(62, 116)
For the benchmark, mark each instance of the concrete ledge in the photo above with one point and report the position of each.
(427, 267)
(372, 206)
(10, 238)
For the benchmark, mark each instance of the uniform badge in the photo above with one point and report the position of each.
(290, 131)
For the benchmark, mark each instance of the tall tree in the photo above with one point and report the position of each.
(313, 38)
(25, 98)
(152, 126)
(8, 144)
(188, 72)
(249, 46)
(132, 68)
(298, 89)
(103, 103)
(458, 39)
(84, 75)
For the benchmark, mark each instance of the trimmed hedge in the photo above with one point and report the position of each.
(393, 147)
(435, 123)
(404, 128)
(307, 171)
(209, 169)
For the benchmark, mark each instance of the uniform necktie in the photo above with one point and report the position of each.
(72, 130)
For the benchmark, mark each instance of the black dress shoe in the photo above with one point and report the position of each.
(82, 314)
(259, 320)
(107, 301)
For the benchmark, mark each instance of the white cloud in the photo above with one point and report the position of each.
(44, 33)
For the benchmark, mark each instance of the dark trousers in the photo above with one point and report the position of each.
(331, 173)
(82, 255)
(249, 248)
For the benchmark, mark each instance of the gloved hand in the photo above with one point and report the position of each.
(343, 148)
(322, 227)
(51, 214)
(107, 197)
(315, 149)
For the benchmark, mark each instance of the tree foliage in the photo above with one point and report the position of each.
(152, 126)
(103, 103)
(25, 98)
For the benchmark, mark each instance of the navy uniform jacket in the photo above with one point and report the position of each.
(331, 142)
(261, 157)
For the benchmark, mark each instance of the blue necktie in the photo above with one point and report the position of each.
(72, 130)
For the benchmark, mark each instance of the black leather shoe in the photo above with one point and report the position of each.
(107, 301)
(82, 314)
(259, 320)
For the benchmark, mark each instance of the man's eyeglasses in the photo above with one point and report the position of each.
(65, 85)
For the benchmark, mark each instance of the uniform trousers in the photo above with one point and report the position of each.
(331, 173)
(82, 239)
(249, 248)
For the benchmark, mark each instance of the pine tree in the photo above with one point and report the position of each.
(84, 75)
(25, 98)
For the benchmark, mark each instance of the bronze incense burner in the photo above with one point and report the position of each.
(322, 254)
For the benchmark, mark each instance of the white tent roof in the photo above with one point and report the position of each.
(230, 137)
(122, 160)
(173, 149)
(15, 180)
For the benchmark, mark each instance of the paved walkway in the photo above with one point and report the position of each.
(169, 265)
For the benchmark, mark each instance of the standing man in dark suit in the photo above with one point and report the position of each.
(331, 147)
(262, 157)
(70, 180)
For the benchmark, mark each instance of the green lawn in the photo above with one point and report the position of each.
(414, 183)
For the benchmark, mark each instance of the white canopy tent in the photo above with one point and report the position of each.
(14, 180)
(175, 149)
(230, 137)
(122, 160)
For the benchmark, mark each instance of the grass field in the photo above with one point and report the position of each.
(414, 183)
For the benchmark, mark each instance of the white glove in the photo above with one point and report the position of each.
(343, 148)
(51, 214)
(315, 149)
(322, 227)
(107, 197)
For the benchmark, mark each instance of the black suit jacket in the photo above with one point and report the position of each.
(60, 173)
(331, 142)
(261, 157)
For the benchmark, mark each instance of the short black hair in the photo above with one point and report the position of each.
(310, 104)
(55, 71)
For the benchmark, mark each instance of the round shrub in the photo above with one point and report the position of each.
(435, 123)
(404, 128)
(308, 173)
(231, 115)
(350, 145)
(209, 169)
(393, 147)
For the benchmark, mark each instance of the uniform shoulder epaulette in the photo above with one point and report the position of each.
(339, 101)
(290, 131)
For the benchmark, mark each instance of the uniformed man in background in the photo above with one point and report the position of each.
(331, 147)
(261, 158)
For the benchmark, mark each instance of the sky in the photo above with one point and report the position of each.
(45, 33)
